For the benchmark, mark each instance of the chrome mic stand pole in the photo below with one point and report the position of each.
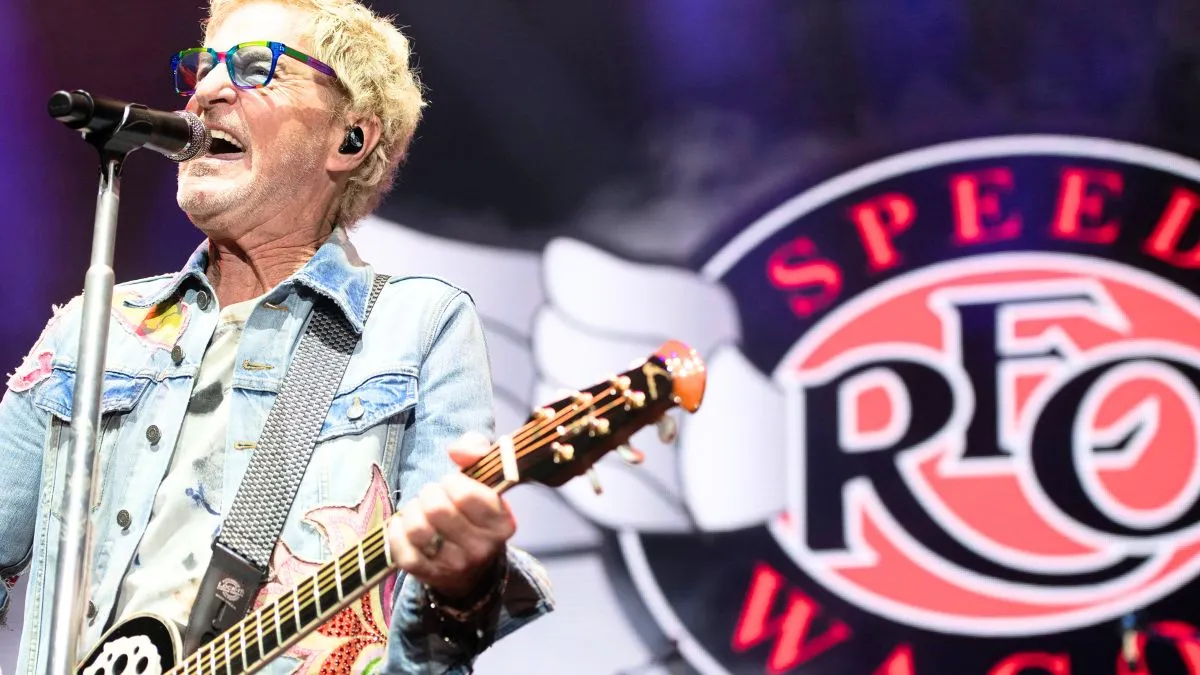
(115, 129)
(75, 539)
(75, 545)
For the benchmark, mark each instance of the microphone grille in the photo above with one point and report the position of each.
(198, 141)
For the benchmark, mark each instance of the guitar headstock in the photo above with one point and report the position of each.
(565, 438)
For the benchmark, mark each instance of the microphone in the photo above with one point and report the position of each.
(179, 136)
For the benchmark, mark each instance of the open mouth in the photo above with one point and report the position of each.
(224, 145)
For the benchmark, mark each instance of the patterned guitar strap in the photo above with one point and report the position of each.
(241, 554)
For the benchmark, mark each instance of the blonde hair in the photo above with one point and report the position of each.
(371, 58)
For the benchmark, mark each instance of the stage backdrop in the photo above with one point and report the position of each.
(940, 257)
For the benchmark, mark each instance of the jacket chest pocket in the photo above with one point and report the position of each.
(120, 394)
(363, 405)
(363, 428)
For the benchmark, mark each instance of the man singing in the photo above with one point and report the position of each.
(311, 105)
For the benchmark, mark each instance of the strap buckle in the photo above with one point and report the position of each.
(230, 586)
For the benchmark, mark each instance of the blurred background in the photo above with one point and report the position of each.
(606, 174)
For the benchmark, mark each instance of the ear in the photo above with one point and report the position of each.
(338, 161)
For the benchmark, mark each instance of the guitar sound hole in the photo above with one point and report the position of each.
(142, 664)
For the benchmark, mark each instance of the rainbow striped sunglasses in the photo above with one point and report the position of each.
(251, 64)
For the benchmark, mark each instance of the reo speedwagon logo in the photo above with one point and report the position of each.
(1002, 445)
(990, 359)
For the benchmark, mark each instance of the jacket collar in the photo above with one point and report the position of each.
(335, 271)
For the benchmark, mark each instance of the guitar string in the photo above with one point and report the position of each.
(319, 588)
(488, 461)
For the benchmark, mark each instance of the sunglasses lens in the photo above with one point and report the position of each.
(193, 65)
(252, 65)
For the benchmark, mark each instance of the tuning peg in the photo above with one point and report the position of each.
(598, 426)
(595, 480)
(668, 429)
(563, 452)
(634, 399)
(629, 455)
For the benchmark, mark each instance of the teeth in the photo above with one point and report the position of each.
(217, 133)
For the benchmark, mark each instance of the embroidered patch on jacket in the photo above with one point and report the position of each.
(159, 326)
(34, 369)
(355, 639)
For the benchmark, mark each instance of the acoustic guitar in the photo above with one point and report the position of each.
(560, 441)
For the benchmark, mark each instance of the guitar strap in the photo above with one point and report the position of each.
(241, 553)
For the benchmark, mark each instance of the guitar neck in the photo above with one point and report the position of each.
(279, 624)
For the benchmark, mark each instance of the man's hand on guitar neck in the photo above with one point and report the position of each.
(453, 533)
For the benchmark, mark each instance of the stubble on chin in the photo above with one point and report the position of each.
(195, 201)
(210, 199)
(206, 204)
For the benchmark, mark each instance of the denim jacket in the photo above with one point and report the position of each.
(419, 379)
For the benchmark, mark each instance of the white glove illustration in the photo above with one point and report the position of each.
(725, 468)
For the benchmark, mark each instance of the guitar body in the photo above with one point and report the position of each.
(143, 645)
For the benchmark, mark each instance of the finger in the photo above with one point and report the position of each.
(443, 516)
(448, 565)
(404, 552)
(481, 505)
(469, 448)
(477, 544)
(417, 529)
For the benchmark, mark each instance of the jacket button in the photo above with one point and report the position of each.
(177, 354)
(91, 611)
(202, 299)
(123, 519)
(153, 434)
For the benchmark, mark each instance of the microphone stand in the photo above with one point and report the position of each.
(75, 545)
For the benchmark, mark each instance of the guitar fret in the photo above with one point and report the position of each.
(296, 608)
(262, 650)
(362, 564)
(212, 658)
(387, 547)
(242, 638)
(278, 635)
(337, 573)
(317, 595)
(228, 659)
